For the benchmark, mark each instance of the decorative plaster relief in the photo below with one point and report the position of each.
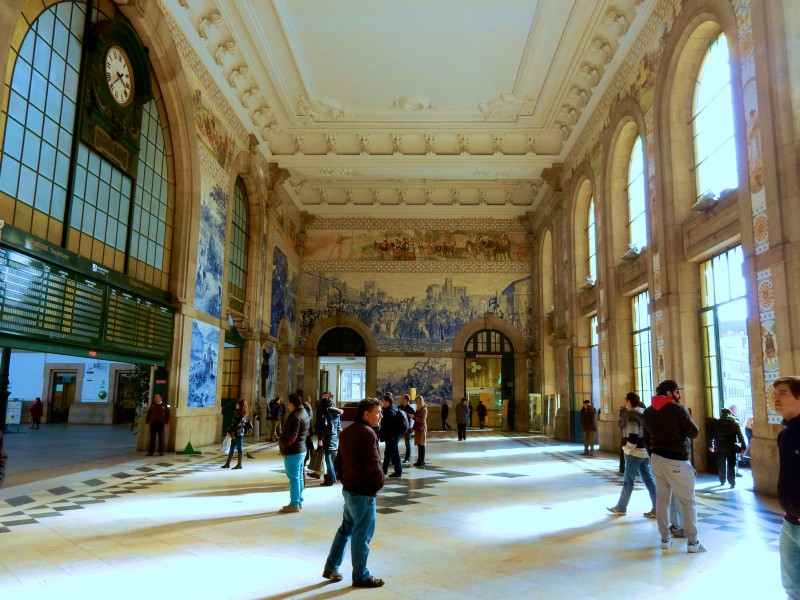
(413, 103)
(507, 107)
(324, 109)
(224, 49)
(343, 173)
(211, 20)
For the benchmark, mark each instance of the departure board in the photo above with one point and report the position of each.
(48, 302)
(136, 323)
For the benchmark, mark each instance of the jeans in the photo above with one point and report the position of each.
(331, 474)
(634, 465)
(358, 522)
(274, 429)
(237, 443)
(391, 454)
(462, 431)
(588, 441)
(790, 559)
(156, 431)
(407, 438)
(675, 477)
(726, 465)
(293, 463)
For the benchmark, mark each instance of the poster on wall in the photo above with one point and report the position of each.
(415, 311)
(211, 252)
(431, 377)
(203, 368)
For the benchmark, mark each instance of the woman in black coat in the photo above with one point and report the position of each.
(329, 423)
(239, 424)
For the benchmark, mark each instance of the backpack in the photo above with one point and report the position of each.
(401, 422)
(248, 427)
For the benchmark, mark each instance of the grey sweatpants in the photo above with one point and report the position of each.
(677, 477)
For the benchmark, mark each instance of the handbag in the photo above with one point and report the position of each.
(315, 464)
(226, 444)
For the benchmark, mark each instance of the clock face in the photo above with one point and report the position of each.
(119, 75)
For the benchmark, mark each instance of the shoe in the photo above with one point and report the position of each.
(290, 509)
(406, 461)
(676, 532)
(696, 547)
(738, 474)
(332, 575)
(395, 474)
(371, 582)
(224, 466)
(591, 453)
(237, 467)
(666, 544)
(650, 514)
(617, 511)
(733, 485)
(326, 484)
(314, 475)
(722, 482)
(416, 464)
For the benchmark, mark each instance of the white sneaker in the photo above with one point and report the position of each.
(696, 547)
(666, 544)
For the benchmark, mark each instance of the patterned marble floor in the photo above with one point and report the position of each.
(522, 516)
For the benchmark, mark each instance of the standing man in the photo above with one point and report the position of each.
(726, 442)
(787, 405)
(481, 410)
(445, 414)
(358, 466)
(157, 418)
(589, 427)
(406, 407)
(394, 425)
(292, 444)
(462, 418)
(669, 431)
(36, 410)
(274, 414)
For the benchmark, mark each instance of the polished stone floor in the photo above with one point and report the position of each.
(511, 516)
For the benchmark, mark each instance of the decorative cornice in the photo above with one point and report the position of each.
(507, 107)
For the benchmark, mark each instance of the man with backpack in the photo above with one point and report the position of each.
(393, 425)
(274, 413)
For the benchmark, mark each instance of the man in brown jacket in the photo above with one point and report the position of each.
(157, 419)
(358, 467)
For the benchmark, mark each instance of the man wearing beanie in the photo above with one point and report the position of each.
(669, 430)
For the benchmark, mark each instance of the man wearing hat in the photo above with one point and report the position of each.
(669, 431)
(588, 420)
(726, 441)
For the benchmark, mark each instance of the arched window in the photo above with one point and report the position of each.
(642, 345)
(237, 278)
(637, 219)
(591, 243)
(67, 192)
(712, 116)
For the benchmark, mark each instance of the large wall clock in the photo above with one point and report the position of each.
(119, 75)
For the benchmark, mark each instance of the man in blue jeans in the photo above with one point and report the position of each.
(358, 467)
(293, 448)
(787, 405)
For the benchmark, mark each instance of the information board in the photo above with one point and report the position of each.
(14, 412)
(136, 323)
(47, 302)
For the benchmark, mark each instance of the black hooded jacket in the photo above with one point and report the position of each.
(669, 429)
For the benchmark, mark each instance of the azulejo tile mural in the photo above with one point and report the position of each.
(431, 377)
(211, 252)
(202, 392)
(284, 294)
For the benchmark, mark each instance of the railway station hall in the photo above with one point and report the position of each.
(534, 208)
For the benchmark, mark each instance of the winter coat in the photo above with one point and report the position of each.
(274, 410)
(634, 433)
(330, 437)
(727, 435)
(462, 413)
(237, 426)
(445, 411)
(420, 425)
(669, 429)
(481, 410)
(389, 424)
(158, 414)
(409, 410)
(358, 462)
(36, 409)
(588, 419)
(295, 431)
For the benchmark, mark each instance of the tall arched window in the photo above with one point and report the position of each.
(64, 190)
(591, 243)
(712, 116)
(237, 278)
(637, 219)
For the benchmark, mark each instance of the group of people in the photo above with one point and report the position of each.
(463, 417)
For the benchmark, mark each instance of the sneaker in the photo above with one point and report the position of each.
(650, 514)
(289, 509)
(696, 547)
(617, 511)
(370, 582)
(333, 575)
(666, 544)
(676, 532)
(396, 474)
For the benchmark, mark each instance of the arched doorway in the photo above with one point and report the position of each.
(489, 376)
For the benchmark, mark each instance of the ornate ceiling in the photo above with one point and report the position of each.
(414, 108)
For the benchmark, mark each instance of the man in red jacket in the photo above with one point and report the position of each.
(358, 467)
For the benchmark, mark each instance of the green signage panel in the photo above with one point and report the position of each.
(49, 303)
(136, 323)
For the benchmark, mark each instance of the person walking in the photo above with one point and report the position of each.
(405, 406)
(462, 419)
(238, 428)
(669, 430)
(787, 405)
(420, 430)
(157, 419)
(292, 444)
(394, 424)
(358, 466)
(622, 420)
(36, 410)
(636, 457)
(329, 423)
(588, 418)
(481, 410)
(275, 410)
(445, 414)
(727, 442)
